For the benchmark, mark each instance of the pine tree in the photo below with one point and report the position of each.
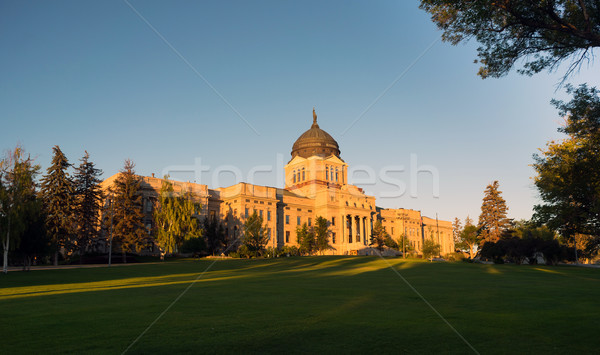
(456, 230)
(58, 192)
(128, 231)
(18, 200)
(88, 202)
(492, 220)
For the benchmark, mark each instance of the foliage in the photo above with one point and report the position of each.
(469, 239)
(378, 236)
(430, 249)
(35, 242)
(128, 230)
(58, 193)
(322, 233)
(214, 234)
(175, 218)
(18, 199)
(255, 237)
(541, 33)
(456, 230)
(194, 245)
(492, 220)
(290, 250)
(568, 171)
(88, 202)
(306, 239)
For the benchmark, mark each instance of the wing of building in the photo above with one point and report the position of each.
(316, 184)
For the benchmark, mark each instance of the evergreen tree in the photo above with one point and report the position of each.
(456, 230)
(58, 193)
(88, 203)
(17, 199)
(468, 221)
(128, 220)
(322, 233)
(306, 239)
(378, 236)
(255, 237)
(492, 220)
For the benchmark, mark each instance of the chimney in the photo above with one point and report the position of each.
(152, 174)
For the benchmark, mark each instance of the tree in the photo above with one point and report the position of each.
(541, 33)
(322, 233)
(306, 239)
(456, 230)
(568, 171)
(378, 236)
(88, 202)
(430, 249)
(492, 220)
(34, 241)
(468, 221)
(128, 231)
(58, 193)
(255, 237)
(17, 199)
(469, 238)
(214, 234)
(175, 218)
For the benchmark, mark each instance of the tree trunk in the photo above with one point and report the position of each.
(124, 253)
(56, 258)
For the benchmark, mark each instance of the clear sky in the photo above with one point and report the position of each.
(229, 85)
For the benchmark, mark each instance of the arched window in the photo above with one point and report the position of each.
(298, 177)
(294, 176)
(327, 173)
(336, 174)
(303, 176)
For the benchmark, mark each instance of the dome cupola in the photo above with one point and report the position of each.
(315, 141)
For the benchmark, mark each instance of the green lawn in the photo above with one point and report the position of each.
(311, 304)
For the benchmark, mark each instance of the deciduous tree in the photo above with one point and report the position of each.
(255, 234)
(175, 218)
(18, 203)
(540, 33)
(322, 234)
(568, 171)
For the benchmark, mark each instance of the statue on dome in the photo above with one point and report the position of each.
(314, 116)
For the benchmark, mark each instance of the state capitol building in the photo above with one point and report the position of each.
(316, 184)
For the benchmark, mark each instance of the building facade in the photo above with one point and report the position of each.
(316, 185)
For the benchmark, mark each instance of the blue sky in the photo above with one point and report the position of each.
(92, 75)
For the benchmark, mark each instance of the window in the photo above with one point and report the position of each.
(309, 222)
(287, 219)
(212, 214)
(268, 215)
(333, 237)
(148, 206)
(246, 212)
(336, 174)
(294, 176)
(392, 230)
(260, 213)
(333, 221)
(287, 236)
(298, 220)
(303, 176)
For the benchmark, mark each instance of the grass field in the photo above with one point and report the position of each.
(311, 304)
